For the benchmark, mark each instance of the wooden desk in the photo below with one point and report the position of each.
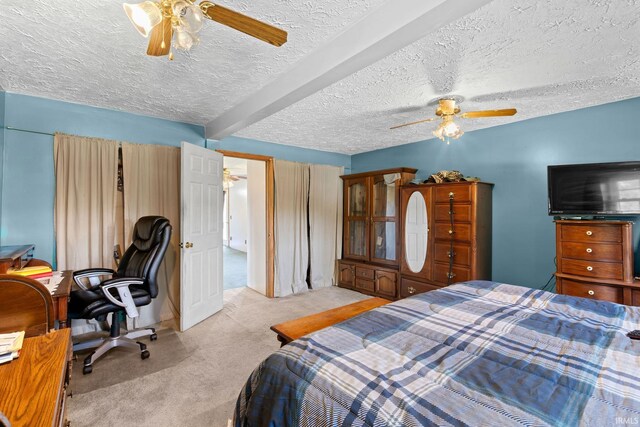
(33, 386)
(61, 299)
(294, 329)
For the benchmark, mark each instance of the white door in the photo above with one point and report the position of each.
(201, 241)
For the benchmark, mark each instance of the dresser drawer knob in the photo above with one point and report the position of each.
(450, 231)
(411, 290)
(589, 250)
(592, 293)
(589, 268)
(589, 233)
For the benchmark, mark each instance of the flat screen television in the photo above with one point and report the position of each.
(594, 189)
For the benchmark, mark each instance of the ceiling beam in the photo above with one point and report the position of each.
(385, 30)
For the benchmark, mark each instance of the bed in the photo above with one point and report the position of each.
(475, 353)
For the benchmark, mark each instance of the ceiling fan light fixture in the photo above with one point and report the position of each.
(144, 16)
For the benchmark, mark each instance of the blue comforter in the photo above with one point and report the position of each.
(475, 353)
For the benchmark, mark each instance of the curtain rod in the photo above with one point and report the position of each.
(26, 130)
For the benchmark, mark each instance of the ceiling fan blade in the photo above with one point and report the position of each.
(414, 123)
(243, 23)
(488, 113)
(161, 32)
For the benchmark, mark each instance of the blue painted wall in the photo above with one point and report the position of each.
(28, 190)
(283, 152)
(515, 158)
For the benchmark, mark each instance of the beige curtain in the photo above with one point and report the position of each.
(325, 223)
(85, 201)
(152, 187)
(292, 245)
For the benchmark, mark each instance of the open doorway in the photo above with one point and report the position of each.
(248, 222)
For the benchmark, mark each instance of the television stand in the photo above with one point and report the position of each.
(595, 260)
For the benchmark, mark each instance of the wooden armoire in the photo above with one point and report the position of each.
(446, 235)
(399, 238)
(371, 230)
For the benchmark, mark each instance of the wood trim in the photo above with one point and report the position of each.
(380, 172)
(270, 184)
(247, 156)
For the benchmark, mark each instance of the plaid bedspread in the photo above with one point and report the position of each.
(474, 354)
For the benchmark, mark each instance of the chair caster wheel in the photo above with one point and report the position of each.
(87, 369)
(153, 337)
(145, 354)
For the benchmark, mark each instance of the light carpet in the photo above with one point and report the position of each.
(200, 389)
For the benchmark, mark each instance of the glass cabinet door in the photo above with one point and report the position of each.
(384, 216)
(356, 235)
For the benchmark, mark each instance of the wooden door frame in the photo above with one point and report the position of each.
(269, 182)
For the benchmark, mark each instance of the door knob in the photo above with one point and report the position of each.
(189, 245)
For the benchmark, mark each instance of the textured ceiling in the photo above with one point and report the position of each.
(541, 57)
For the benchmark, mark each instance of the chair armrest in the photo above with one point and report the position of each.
(122, 285)
(93, 274)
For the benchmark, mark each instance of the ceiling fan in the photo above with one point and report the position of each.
(228, 179)
(448, 110)
(182, 20)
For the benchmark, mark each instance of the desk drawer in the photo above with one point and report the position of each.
(592, 251)
(603, 270)
(591, 233)
(592, 291)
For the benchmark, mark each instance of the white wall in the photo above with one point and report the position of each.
(238, 228)
(257, 242)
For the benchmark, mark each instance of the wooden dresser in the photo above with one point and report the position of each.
(457, 217)
(595, 260)
(33, 386)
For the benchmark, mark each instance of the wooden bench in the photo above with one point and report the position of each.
(297, 328)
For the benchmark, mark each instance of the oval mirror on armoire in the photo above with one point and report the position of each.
(416, 232)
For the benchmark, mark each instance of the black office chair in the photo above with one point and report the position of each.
(132, 285)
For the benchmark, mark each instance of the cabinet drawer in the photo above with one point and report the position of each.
(461, 253)
(461, 213)
(460, 274)
(591, 233)
(461, 193)
(411, 287)
(592, 291)
(460, 231)
(603, 270)
(592, 251)
(365, 273)
(365, 285)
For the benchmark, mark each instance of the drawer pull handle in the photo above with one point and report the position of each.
(589, 250)
(592, 293)
(589, 268)
(589, 233)
(411, 290)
